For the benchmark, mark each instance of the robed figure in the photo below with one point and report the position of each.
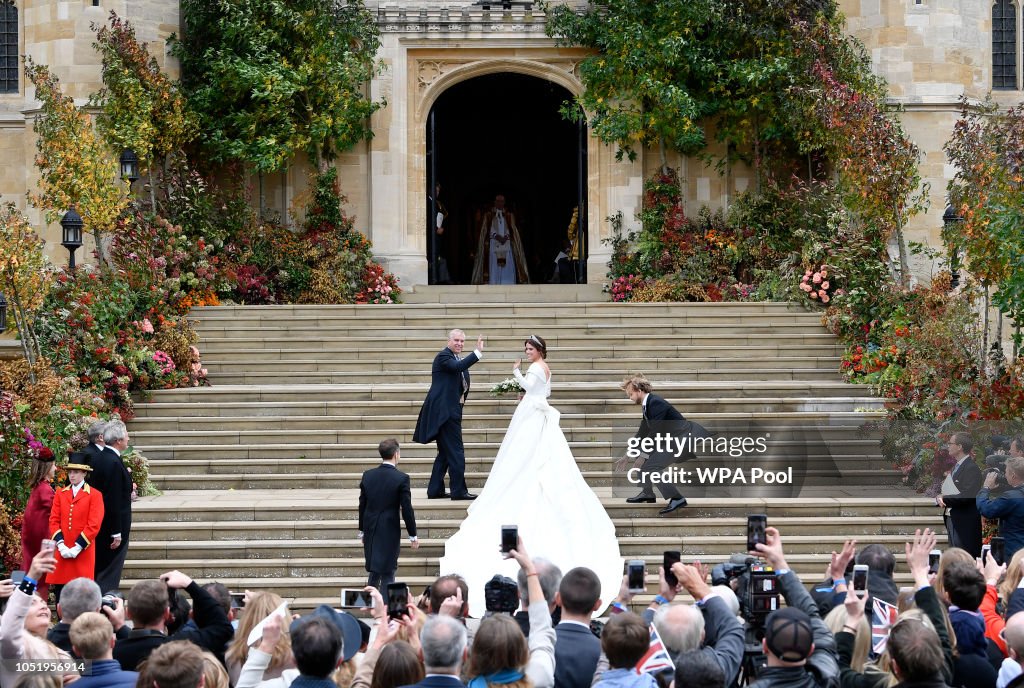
(499, 254)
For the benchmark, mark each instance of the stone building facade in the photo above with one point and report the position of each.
(472, 100)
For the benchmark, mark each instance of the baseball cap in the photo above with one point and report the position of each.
(352, 636)
(788, 634)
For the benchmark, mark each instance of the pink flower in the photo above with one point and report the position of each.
(822, 294)
(147, 326)
(817, 277)
(824, 284)
(814, 294)
(824, 272)
(824, 298)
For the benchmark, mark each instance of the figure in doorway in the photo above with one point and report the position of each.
(436, 219)
(499, 255)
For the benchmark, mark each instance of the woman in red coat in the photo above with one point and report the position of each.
(35, 524)
(75, 520)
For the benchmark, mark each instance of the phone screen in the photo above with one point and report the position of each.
(671, 557)
(756, 524)
(999, 549)
(17, 577)
(398, 599)
(860, 579)
(636, 571)
(509, 538)
(237, 600)
(354, 599)
(933, 561)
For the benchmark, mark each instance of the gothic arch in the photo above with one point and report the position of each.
(446, 75)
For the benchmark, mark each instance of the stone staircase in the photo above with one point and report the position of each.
(260, 470)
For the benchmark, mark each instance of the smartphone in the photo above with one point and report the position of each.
(398, 600)
(354, 599)
(509, 538)
(756, 524)
(237, 600)
(48, 545)
(671, 557)
(636, 570)
(17, 577)
(998, 549)
(933, 560)
(860, 580)
(985, 550)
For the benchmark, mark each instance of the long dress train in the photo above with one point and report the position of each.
(535, 485)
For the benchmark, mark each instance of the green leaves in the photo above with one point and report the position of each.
(270, 79)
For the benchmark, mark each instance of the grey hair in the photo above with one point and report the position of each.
(548, 575)
(443, 640)
(681, 627)
(96, 430)
(114, 431)
(79, 596)
(451, 333)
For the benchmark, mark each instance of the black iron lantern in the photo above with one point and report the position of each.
(129, 167)
(3, 313)
(71, 224)
(951, 228)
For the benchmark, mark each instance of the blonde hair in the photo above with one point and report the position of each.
(1013, 575)
(836, 619)
(418, 620)
(40, 471)
(90, 635)
(344, 674)
(259, 607)
(637, 381)
(214, 674)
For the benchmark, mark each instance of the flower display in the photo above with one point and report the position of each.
(816, 285)
(506, 387)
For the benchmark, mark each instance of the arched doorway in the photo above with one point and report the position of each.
(504, 133)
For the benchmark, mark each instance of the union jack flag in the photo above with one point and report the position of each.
(883, 616)
(657, 657)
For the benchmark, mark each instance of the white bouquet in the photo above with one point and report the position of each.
(507, 386)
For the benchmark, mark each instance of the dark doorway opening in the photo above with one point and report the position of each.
(503, 133)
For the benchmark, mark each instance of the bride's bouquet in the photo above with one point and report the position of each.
(507, 386)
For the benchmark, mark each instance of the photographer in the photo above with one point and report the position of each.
(1008, 507)
(799, 648)
(499, 648)
(78, 597)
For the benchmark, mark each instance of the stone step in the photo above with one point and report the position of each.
(513, 324)
(865, 475)
(618, 357)
(503, 294)
(285, 373)
(803, 339)
(336, 504)
(472, 307)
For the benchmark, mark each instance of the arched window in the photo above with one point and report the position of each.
(8, 47)
(1004, 44)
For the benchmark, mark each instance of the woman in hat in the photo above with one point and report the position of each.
(35, 523)
(74, 522)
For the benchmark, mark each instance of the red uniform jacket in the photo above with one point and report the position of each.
(75, 522)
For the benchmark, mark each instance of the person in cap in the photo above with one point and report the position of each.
(799, 649)
(75, 520)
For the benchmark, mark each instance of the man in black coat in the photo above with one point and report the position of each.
(383, 492)
(441, 415)
(963, 522)
(96, 443)
(114, 482)
(659, 417)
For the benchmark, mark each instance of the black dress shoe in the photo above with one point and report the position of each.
(443, 495)
(673, 504)
(641, 499)
(463, 497)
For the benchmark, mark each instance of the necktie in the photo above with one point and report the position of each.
(465, 382)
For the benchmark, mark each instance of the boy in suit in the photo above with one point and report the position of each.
(383, 492)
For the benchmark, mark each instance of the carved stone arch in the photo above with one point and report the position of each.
(562, 73)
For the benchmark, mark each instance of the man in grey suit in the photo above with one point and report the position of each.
(577, 649)
(383, 493)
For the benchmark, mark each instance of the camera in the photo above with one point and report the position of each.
(756, 586)
(108, 600)
(501, 595)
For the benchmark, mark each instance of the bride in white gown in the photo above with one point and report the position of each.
(535, 485)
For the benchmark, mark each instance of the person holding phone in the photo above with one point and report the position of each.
(384, 493)
(35, 524)
(1008, 507)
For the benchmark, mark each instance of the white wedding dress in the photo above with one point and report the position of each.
(535, 485)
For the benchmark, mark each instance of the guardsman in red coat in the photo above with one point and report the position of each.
(74, 521)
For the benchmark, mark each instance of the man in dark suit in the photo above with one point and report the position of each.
(114, 482)
(96, 443)
(659, 417)
(577, 649)
(383, 492)
(443, 648)
(441, 415)
(963, 522)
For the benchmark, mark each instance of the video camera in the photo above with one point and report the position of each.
(501, 595)
(756, 586)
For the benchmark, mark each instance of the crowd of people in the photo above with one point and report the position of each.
(958, 625)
